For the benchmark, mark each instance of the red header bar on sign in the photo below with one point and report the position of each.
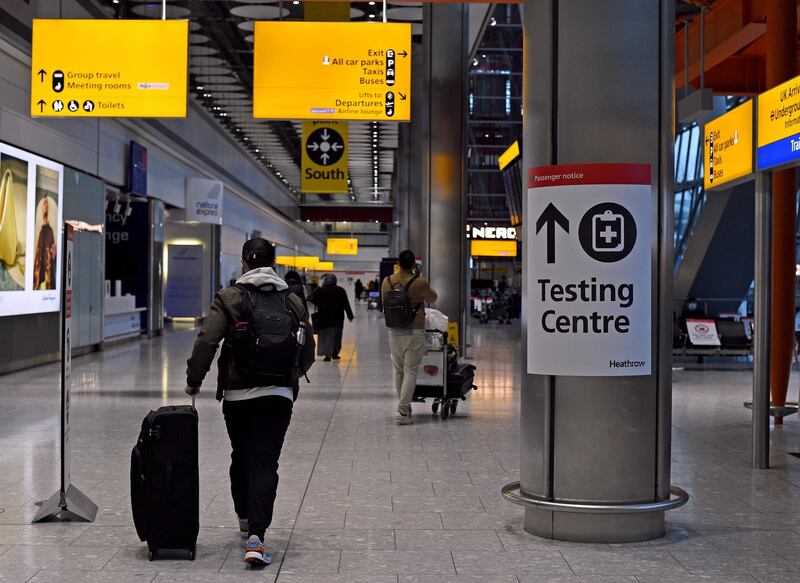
(576, 174)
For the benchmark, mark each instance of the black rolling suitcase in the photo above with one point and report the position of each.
(460, 380)
(165, 490)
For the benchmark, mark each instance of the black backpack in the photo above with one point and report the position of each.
(397, 306)
(273, 345)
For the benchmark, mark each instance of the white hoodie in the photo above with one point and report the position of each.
(261, 277)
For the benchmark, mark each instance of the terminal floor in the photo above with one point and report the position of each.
(364, 500)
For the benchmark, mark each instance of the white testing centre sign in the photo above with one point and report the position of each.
(589, 274)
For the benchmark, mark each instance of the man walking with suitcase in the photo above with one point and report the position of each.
(268, 345)
(403, 296)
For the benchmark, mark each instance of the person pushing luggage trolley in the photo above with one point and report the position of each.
(403, 297)
(268, 346)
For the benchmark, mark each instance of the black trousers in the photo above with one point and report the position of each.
(256, 428)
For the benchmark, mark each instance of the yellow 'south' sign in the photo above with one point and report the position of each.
(109, 68)
(332, 70)
(324, 157)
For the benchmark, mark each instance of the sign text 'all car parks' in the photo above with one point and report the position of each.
(589, 273)
(332, 71)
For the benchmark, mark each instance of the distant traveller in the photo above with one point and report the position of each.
(332, 305)
(295, 283)
(405, 318)
(359, 289)
(268, 347)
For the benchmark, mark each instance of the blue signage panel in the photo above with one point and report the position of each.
(778, 153)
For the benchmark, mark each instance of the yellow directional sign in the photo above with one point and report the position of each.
(332, 70)
(109, 68)
(491, 248)
(728, 147)
(341, 246)
(324, 157)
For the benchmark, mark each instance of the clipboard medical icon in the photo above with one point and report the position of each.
(608, 232)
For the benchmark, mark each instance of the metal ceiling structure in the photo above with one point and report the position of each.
(221, 80)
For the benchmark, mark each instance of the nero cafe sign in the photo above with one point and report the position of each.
(589, 273)
(491, 233)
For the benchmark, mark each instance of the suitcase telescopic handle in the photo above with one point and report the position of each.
(193, 399)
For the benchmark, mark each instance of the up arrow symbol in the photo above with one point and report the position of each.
(551, 217)
(41, 74)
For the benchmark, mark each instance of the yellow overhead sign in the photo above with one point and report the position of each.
(324, 157)
(339, 246)
(332, 70)
(109, 68)
(728, 147)
(507, 157)
(324, 266)
(493, 248)
(779, 125)
(301, 262)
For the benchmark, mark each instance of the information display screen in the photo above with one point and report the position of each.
(30, 232)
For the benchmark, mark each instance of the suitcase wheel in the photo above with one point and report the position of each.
(445, 412)
(191, 553)
(151, 555)
(435, 407)
(453, 407)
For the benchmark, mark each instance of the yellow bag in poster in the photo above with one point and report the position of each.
(324, 154)
(8, 221)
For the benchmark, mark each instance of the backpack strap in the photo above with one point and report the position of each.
(416, 308)
(409, 282)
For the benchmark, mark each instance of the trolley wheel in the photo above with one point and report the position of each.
(191, 553)
(151, 554)
(453, 407)
(435, 407)
(445, 412)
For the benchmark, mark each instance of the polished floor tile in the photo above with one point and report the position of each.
(362, 500)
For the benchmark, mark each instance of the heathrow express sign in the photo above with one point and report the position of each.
(332, 71)
(589, 281)
(109, 68)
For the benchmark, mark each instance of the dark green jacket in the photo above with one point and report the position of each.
(226, 310)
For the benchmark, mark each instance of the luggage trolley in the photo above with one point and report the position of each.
(441, 377)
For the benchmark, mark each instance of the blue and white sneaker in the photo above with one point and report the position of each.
(244, 527)
(255, 553)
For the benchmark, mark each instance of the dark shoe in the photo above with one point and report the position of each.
(337, 357)
(327, 359)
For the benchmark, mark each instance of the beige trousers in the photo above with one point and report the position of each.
(406, 347)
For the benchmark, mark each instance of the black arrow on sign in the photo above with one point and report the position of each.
(41, 103)
(41, 74)
(404, 54)
(551, 217)
(402, 96)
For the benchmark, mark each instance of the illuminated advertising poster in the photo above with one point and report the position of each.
(30, 214)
